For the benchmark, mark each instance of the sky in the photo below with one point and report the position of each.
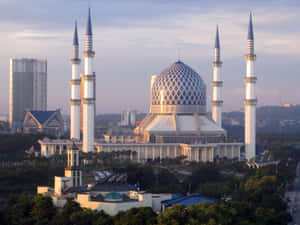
(135, 39)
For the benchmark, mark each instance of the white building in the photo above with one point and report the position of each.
(28, 88)
(128, 118)
(109, 197)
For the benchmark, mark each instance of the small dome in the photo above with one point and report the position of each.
(178, 89)
(113, 196)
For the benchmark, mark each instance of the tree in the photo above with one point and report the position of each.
(18, 210)
(256, 188)
(67, 210)
(82, 217)
(101, 218)
(43, 210)
(136, 216)
(176, 215)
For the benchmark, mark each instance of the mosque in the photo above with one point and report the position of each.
(177, 124)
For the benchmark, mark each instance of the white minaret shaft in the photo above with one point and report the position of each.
(75, 90)
(250, 98)
(89, 91)
(217, 84)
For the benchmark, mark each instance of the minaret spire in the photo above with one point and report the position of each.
(89, 79)
(217, 83)
(89, 24)
(250, 28)
(75, 38)
(250, 98)
(250, 36)
(75, 90)
(217, 42)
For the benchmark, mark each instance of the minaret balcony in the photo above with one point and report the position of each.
(88, 54)
(217, 83)
(217, 63)
(217, 103)
(75, 82)
(248, 102)
(75, 102)
(88, 77)
(88, 101)
(251, 80)
(75, 61)
(250, 57)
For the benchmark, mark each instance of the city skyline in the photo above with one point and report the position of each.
(137, 39)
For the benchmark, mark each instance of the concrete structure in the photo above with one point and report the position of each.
(75, 90)
(73, 168)
(28, 88)
(89, 91)
(59, 146)
(177, 124)
(82, 98)
(217, 84)
(47, 122)
(109, 197)
(143, 152)
(250, 98)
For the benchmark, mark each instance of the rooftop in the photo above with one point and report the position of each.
(188, 200)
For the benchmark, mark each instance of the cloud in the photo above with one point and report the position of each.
(135, 39)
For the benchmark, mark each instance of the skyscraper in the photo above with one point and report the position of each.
(28, 88)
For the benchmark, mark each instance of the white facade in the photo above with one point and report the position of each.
(75, 91)
(250, 98)
(89, 92)
(142, 152)
(217, 85)
(28, 88)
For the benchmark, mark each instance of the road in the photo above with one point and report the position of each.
(294, 197)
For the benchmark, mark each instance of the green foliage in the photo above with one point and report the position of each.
(13, 146)
(136, 216)
(18, 210)
(43, 210)
(176, 215)
(143, 175)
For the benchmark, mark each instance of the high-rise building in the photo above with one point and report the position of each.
(28, 88)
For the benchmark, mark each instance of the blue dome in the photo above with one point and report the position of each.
(179, 85)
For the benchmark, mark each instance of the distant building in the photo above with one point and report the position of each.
(128, 119)
(48, 122)
(28, 88)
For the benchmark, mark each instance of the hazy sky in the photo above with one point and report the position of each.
(135, 39)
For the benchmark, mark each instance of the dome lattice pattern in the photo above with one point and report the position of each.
(179, 85)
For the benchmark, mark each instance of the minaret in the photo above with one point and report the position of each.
(217, 84)
(89, 91)
(250, 100)
(75, 90)
(73, 168)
